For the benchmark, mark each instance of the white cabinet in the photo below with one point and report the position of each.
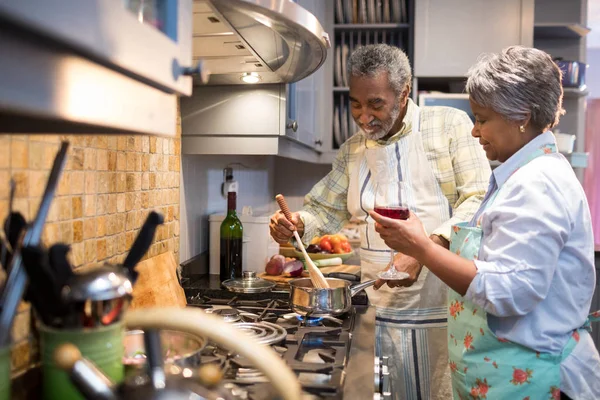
(241, 120)
(450, 35)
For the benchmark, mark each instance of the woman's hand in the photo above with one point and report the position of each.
(405, 236)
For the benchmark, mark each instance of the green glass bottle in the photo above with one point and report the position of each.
(231, 242)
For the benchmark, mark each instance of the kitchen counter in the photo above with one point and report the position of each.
(359, 382)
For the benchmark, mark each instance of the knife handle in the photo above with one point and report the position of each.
(142, 243)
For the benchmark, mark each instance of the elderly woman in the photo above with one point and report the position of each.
(521, 273)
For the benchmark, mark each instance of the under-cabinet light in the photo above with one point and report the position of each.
(250, 77)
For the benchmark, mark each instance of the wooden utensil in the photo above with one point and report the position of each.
(157, 284)
(316, 276)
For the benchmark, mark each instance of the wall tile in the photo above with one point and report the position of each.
(5, 151)
(89, 228)
(77, 182)
(77, 205)
(77, 157)
(77, 231)
(90, 205)
(101, 226)
(102, 160)
(89, 159)
(19, 154)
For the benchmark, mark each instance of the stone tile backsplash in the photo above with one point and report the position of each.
(109, 185)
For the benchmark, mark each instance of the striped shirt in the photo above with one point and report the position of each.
(458, 162)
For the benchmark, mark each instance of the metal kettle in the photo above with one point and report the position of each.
(172, 383)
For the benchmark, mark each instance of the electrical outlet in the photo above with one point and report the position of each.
(229, 184)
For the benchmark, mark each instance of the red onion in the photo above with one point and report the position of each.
(293, 268)
(275, 265)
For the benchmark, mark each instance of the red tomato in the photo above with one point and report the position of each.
(325, 244)
(346, 247)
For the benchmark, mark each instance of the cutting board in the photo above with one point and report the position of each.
(284, 280)
(157, 284)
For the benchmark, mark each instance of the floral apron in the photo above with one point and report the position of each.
(483, 365)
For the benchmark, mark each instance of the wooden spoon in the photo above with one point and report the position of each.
(315, 274)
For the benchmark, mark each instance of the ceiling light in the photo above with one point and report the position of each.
(250, 77)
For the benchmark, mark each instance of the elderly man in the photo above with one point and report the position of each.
(445, 173)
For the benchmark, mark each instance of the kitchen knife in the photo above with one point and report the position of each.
(43, 290)
(14, 226)
(142, 244)
(59, 263)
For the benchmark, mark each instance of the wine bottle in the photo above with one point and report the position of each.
(231, 242)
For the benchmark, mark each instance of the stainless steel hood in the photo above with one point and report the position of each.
(276, 41)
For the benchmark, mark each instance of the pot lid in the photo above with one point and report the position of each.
(249, 283)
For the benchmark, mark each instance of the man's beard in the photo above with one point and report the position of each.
(380, 129)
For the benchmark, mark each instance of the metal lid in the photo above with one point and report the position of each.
(249, 283)
(104, 283)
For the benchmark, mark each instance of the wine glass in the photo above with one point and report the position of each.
(390, 201)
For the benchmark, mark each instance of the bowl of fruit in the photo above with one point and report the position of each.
(328, 246)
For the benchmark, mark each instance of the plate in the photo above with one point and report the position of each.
(323, 256)
(344, 116)
(336, 126)
(339, 14)
(344, 63)
(338, 66)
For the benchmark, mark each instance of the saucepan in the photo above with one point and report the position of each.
(335, 300)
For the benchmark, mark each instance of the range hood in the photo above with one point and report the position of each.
(272, 41)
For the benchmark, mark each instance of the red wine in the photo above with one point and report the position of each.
(393, 212)
(231, 259)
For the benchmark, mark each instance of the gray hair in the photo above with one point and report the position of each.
(375, 59)
(517, 83)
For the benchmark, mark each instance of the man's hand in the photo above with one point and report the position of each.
(403, 263)
(282, 229)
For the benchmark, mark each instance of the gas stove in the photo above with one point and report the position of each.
(329, 355)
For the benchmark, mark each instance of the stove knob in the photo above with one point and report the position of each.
(377, 375)
(385, 382)
(385, 360)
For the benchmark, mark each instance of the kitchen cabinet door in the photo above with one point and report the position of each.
(146, 40)
(306, 105)
(451, 35)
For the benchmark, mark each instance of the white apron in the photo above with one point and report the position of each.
(411, 322)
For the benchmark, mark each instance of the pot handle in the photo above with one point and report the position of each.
(361, 286)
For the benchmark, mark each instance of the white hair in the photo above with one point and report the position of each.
(374, 59)
(517, 83)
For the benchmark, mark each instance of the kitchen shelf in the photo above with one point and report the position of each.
(387, 26)
(559, 31)
(575, 92)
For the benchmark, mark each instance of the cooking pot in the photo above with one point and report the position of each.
(573, 72)
(335, 300)
(179, 348)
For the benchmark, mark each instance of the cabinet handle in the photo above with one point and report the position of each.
(293, 125)
(318, 142)
(199, 70)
